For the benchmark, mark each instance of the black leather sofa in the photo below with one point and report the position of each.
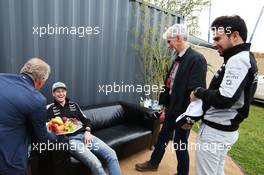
(125, 127)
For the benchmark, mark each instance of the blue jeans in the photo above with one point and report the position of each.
(180, 137)
(87, 154)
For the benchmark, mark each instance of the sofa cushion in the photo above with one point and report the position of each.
(120, 134)
(117, 135)
(104, 117)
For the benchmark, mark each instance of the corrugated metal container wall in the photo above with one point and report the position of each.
(83, 63)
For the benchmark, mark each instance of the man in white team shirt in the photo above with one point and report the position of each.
(227, 100)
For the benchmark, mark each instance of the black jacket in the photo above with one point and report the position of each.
(70, 110)
(231, 90)
(191, 74)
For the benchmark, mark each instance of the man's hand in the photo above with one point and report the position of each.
(186, 122)
(87, 137)
(186, 126)
(163, 109)
(193, 97)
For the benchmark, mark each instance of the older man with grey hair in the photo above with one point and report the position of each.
(187, 72)
(22, 115)
(37, 70)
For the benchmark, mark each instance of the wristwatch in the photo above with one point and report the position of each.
(88, 129)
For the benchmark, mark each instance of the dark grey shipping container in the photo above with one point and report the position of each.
(83, 63)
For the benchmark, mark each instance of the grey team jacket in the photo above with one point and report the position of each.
(227, 100)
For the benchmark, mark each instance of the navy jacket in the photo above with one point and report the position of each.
(22, 116)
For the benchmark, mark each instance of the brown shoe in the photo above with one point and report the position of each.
(146, 166)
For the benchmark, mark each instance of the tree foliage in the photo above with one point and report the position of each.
(189, 9)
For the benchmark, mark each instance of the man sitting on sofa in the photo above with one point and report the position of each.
(87, 146)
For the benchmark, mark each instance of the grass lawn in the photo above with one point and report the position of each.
(248, 151)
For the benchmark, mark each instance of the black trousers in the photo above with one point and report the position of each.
(180, 145)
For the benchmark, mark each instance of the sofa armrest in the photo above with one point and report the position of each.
(138, 112)
(143, 116)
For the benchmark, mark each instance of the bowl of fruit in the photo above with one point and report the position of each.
(65, 125)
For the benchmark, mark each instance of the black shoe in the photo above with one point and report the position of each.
(146, 166)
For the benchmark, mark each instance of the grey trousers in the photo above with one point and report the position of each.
(212, 146)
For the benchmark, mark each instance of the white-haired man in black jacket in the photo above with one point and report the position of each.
(187, 72)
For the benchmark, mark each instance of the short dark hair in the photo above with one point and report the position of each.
(234, 23)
